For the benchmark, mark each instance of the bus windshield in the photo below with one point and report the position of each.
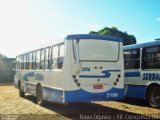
(98, 50)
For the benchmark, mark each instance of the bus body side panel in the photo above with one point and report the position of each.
(134, 85)
(54, 91)
(52, 85)
(24, 77)
(137, 82)
(53, 94)
(52, 81)
(136, 91)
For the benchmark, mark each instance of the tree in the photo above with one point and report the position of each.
(113, 31)
(157, 39)
(2, 56)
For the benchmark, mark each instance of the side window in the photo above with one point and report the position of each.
(132, 59)
(24, 61)
(20, 62)
(50, 59)
(33, 60)
(27, 61)
(54, 56)
(47, 56)
(30, 60)
(151, 58)
(42, 59)
(38, 55)
(61, 56)
(17, 63)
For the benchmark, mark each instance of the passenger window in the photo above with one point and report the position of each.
(30, 60)
(61, 57)
(47, 56)
(54, 57)
(20, 62)
(132, 59)
(151, 58)
(17, 63)
(27, 61)
(34, 60)
(23, 62)
(42, 59)
(38, 54)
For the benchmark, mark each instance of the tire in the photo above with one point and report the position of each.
(39, 95)
(154, 97)
(21, 93)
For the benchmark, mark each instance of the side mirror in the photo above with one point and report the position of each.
(76, 68)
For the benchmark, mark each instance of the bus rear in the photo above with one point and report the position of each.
(97, 71)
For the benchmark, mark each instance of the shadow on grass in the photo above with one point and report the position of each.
(89, 111)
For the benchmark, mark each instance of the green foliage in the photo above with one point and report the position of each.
(113, 31)
(157, 39)
(2, 56)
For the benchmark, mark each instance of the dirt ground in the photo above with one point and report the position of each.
(13, 107)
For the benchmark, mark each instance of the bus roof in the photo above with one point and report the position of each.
(135, 46)
(93, 36)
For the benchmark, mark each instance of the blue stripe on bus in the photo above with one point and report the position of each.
(106, 74)
(80, 95)
(114, 70)
(84, 96)
(132, 74)
(26, 75)
(136, 91)
(93, 36)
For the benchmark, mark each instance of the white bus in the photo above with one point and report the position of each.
(83, 68)
(142, 72)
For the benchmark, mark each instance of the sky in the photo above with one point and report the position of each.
(29, 24)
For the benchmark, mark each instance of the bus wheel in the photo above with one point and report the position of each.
(39, 95)
(21, 93)
(154, 97)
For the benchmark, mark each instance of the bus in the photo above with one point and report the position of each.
(83, 68)
(142, 72)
